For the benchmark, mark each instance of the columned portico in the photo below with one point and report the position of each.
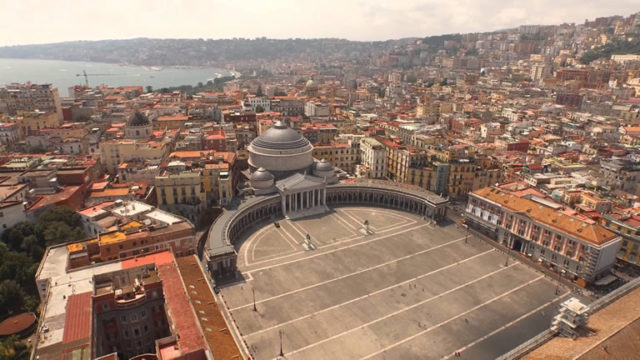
(302, 195)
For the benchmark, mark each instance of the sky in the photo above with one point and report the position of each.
(46, 21)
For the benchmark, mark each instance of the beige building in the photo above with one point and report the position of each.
(31, 122)
(17, 98)
(373, 158)
(115, 152)
(579, 249)
(344, 155)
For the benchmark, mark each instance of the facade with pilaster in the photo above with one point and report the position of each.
(576, 247)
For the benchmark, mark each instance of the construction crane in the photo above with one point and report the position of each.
(86, 76)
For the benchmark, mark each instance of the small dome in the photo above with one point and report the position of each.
(311, 84)
(138, 119)
(324, 165)
(262, 175)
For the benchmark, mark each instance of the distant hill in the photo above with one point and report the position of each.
(613, 48)
(144, 51)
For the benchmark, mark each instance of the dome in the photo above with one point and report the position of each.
(324, 165)
(311, 84)
(262, 181)
(280, 137)
(262, 175)
(138, 119)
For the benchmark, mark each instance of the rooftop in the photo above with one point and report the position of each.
(593, 233)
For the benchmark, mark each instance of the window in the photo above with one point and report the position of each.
(123, 318)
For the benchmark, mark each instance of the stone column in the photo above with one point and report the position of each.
(284, 204)
(324, 196)
(313, 198)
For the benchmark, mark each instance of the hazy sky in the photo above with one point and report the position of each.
(31, 21)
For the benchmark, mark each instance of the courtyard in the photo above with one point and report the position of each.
(401, 288)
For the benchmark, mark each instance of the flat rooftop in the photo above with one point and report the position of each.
(616, 328)
(67, 314)
(409, 290)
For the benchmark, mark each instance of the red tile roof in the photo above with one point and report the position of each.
(77, 323)
(184, 319)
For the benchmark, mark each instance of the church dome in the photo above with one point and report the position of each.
(311, 84)
(324, 169)
(138, 119)
(262, 175)
(280, 137)
(281, 151)
(324, 165)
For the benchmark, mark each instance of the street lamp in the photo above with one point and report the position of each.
(466, 238)
(281, 352)
(559, 279)
(506, 262)
(253, 291)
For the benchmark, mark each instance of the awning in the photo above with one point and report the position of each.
(606, 280)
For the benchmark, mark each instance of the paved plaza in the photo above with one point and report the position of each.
(409, 289)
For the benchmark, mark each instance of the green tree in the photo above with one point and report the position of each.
(149, 88)
(11, 297)
(259, 109)
(259, 91)
(14, 349)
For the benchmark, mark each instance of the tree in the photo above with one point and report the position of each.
(259, 109)
(149, 88)
(259, 91)
(11, 297)
(14, 349)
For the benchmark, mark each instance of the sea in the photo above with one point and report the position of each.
(66, 74)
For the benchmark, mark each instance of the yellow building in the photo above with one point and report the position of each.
(171, 122)
(628, 226)
(182, 192)
(217, 180)
(344, 155)
(115, 152)
(29, 122)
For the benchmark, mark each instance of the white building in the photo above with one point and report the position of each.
(256, 101)
(11, 213)
(373, 157)
(312, 108)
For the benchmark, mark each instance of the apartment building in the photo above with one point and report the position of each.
(17, 98)
(373, 157)
(577, 247)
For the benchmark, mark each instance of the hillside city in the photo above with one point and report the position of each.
(126, 211)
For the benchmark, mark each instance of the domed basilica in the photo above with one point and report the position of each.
(280, 160)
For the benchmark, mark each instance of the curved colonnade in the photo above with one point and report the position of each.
(220, 252)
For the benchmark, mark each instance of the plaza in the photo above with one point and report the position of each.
(401, 288)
